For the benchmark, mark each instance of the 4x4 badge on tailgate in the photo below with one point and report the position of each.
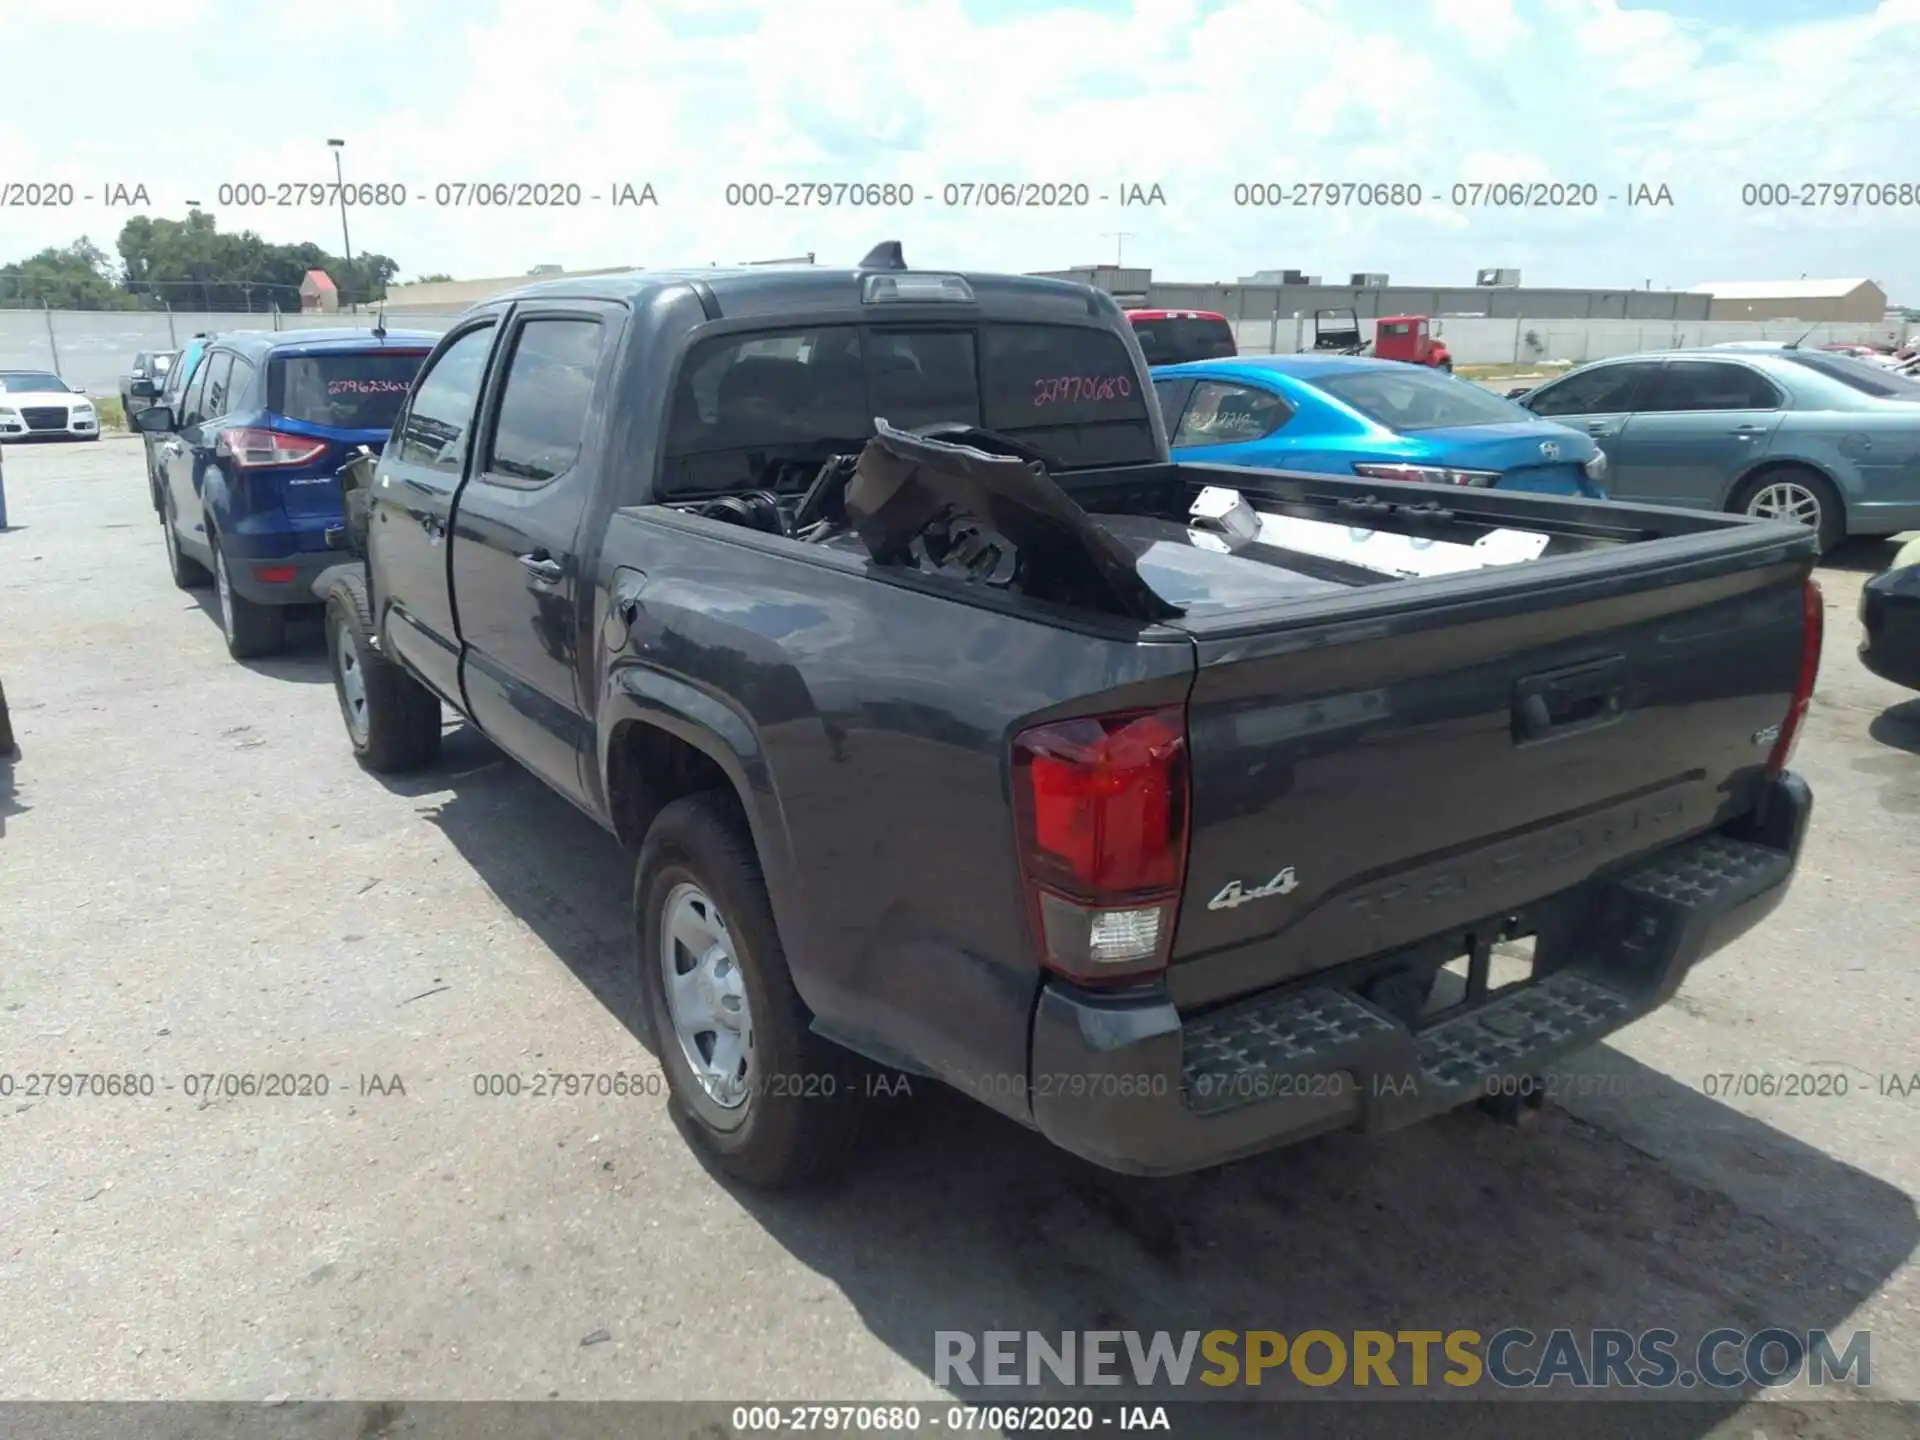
(1281, 884)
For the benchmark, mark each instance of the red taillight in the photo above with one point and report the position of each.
(1813, 631)
(1101, 806)
(251, 448)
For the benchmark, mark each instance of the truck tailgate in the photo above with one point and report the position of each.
(1425, 757)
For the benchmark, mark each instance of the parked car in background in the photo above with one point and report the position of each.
(167, 391)
(1170, 337)
(1806, 435)
(1890, 619)
(247, 462)
(150, 366)
(39, 405)
(1380, 419)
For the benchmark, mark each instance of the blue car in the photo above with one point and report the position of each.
(247, 460)
(1354, 415)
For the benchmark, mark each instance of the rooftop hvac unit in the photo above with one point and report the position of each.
(1496, 277)
(1367, 280)
(1293, 277)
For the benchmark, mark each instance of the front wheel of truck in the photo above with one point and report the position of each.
(769, 1100)
(393, 721)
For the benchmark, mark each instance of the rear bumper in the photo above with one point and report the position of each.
(301, 569)
(1127, 1084)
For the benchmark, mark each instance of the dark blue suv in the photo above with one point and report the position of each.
(246, 462)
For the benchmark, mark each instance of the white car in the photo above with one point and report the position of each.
(36, 403)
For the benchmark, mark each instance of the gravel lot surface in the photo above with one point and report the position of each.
(196, 879)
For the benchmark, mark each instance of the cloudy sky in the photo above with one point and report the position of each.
(1194, 96)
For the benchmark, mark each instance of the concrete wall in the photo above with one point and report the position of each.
(1254, 302)
(92, 348)
(1522, 340)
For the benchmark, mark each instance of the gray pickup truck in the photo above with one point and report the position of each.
(961, 733)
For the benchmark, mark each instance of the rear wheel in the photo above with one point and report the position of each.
(251, 630)
(769, 1100)
(393, 721)
(1795, 493)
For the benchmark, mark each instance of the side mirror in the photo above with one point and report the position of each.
(1518, 391)
(154, 420)
(142, 390)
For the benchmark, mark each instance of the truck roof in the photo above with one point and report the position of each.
(758, 289)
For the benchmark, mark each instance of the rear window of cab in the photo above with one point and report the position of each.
(744, 404)
(343, 390)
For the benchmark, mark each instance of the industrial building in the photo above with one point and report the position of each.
(1803, 299)
(1271, 294)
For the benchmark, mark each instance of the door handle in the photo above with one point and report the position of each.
(1747, 432)
(543, 567)
(1564, 702)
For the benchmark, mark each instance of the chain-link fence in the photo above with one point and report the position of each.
(94, 348)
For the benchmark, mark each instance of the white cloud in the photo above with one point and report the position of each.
(918, 92)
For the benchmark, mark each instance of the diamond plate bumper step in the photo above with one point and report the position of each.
(1645, 929)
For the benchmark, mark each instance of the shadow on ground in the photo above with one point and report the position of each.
(1861, 555)
(304, 660)
(957, 1219)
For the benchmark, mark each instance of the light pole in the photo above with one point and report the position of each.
(338, 146)
(1119, 238)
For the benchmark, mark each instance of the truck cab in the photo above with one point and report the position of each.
(1413, 339)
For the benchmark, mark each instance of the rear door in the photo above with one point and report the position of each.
(1598, 399)
(188, 452)
(1699, 426)
(517, 582)
(410, 505)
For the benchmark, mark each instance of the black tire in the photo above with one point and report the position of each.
(400, 717)
(804, 1097)
(251, 631)
(1832, 526)
(188, 573)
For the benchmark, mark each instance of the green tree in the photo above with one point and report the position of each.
(68, 277)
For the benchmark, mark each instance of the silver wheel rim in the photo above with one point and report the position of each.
(706, 996)
(226, 593)
(353, 682)
(1785, 500)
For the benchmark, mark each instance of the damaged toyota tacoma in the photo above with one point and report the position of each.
(1175, 811)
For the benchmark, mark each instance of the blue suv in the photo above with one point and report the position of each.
(246, 462)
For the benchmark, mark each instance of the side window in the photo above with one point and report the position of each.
(219, 386)
(433, 432)
(1602, 390)
(544, 404)
(1710, 385)
(1223, 414)
(193, 407)
(239, 385)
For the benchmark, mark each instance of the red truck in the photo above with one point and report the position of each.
(1172, 337)
(1411, 338)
